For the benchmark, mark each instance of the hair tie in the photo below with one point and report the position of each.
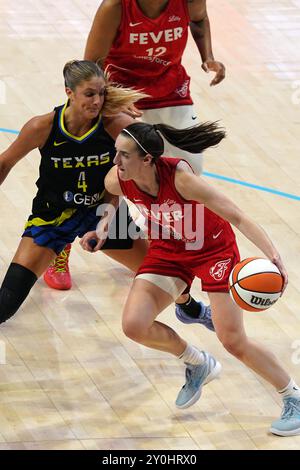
(135, 139)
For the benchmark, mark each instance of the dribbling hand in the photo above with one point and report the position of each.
(90, 242)
(278, 262)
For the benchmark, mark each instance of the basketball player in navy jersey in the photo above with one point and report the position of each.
(166, 190)
(76, 143)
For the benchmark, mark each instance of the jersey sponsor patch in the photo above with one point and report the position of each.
(82, 199)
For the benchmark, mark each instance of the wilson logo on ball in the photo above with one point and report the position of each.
(260, 301)
(255, 284)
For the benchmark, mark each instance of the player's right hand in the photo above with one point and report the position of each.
(278, 262)
(133, 112)
(217, 67)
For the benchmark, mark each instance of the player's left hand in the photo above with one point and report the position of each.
(278, 262)
(217, 67)
(91, 242)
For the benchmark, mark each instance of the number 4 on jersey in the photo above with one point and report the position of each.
(81, 182)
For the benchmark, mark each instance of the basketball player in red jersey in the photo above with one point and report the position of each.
(167, 191)
(141, 42)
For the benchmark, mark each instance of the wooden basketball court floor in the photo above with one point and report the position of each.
(69, 377)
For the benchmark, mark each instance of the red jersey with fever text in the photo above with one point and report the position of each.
(146, 54)
(187, 239)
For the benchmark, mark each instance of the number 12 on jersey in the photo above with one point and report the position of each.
(156, 52)
(81, 182)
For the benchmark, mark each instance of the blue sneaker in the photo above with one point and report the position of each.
(289, 422)
(196, 377)
(204, 316)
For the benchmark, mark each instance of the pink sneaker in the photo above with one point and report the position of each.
(58, 275)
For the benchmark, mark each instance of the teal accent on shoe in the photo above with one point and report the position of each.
(289, 422)
(204, 316)
(197, 376)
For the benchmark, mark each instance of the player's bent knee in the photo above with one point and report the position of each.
(134, 330)
(234, 345)
(131, 331)
(15, 288)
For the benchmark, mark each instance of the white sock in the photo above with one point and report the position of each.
(192, 355)
(291, 390)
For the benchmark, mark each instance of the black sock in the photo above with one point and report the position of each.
(190, 307)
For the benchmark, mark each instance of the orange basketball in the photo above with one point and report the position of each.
(255, 284)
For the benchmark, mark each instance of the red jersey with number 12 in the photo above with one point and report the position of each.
(146, 54)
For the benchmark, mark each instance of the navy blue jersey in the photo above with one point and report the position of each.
(72, 169)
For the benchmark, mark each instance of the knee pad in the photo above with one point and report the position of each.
(15, 288)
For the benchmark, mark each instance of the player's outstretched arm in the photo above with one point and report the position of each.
(200, 29)
(192, 187)
(33, 135)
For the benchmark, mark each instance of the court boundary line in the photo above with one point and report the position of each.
(218, 177)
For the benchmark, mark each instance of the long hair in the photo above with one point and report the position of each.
(117, 98)
(193, 139)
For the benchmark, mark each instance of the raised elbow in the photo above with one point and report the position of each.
(237, 218)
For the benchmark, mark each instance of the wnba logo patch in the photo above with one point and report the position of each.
(218, 270)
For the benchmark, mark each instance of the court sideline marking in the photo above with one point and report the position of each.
(219, 177)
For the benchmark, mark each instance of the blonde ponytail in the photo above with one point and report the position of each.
(119, 98)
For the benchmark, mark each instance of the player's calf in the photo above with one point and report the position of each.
(15, 288)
